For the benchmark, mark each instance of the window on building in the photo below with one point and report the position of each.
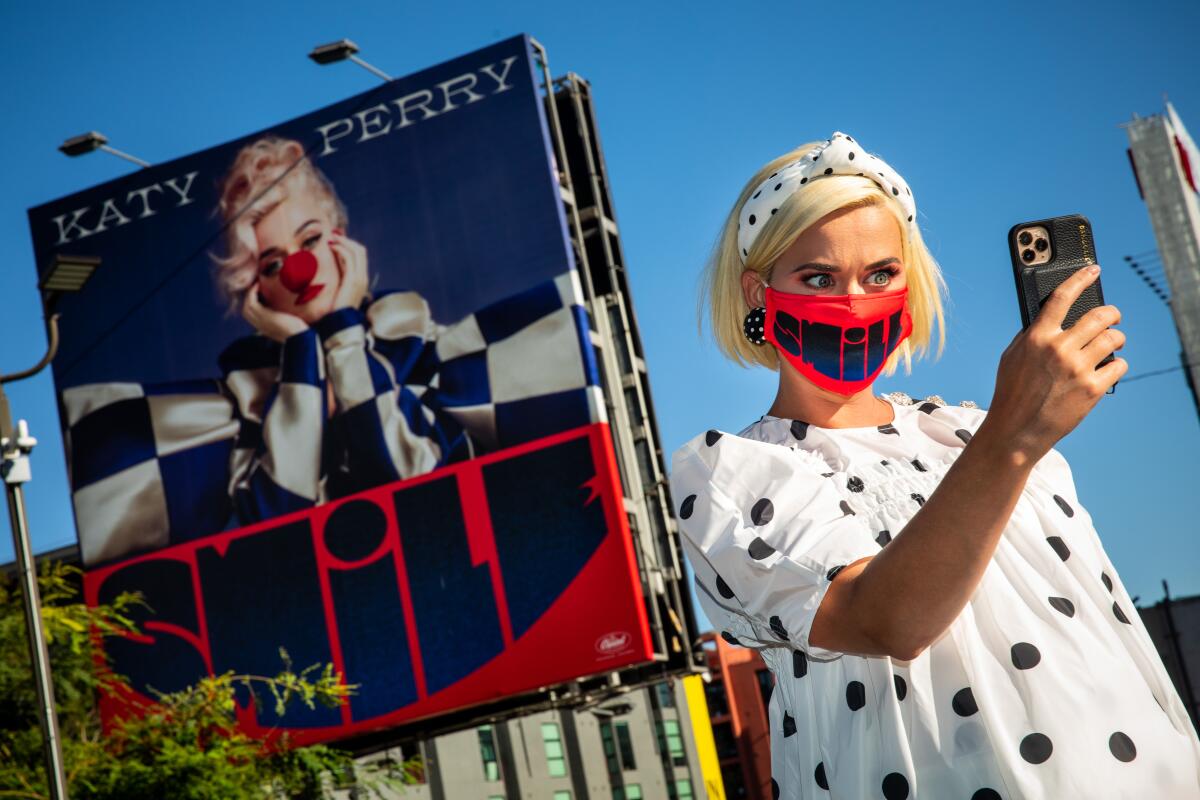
(487, 751)
(671, 742)
(666, 695)
(562, 794)
(634, 407)
(556, 762)
(683, 790)
(735, 783)
(766, 683)
(714, 695)
(625, 743)
(610, 748)
(632, 791)
(618, 331)
(496, 797)
(723, 739)
(645, 464)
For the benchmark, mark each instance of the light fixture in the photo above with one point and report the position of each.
(84, 143)
(333, 52)
(94, 140)
(68, 273)
(344, 50)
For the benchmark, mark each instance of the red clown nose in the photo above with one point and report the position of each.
(298, 270)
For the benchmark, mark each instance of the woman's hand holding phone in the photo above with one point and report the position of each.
(1048, 381)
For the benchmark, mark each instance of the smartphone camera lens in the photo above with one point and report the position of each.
(1027, 255)
(1025, 238)
(1041, 244)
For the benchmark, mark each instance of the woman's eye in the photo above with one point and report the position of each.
(269, 268)
(885, 274)
(823, 281)
(312, 241)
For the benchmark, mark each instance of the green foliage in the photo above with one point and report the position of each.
(185, 746)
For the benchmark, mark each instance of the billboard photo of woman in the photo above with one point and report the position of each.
(340, 388)
(344, 409)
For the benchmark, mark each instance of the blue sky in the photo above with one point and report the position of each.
(994, 113)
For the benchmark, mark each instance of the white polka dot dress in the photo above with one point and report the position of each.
(1047, 685)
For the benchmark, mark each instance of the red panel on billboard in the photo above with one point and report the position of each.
(596, 622)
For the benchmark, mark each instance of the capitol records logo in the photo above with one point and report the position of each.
(613, 643)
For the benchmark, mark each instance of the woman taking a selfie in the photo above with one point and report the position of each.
(938, 612)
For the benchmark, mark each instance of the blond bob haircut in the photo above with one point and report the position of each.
(722, 287)
(264, 174)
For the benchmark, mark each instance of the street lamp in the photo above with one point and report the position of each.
(66, 274)
(93, 140)
(344, 50)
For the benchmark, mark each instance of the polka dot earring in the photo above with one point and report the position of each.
(754, 325)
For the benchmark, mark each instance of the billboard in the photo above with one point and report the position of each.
(332, 389)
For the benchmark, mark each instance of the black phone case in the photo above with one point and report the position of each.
(1073, 248)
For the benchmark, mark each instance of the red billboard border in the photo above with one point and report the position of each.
(551, 651)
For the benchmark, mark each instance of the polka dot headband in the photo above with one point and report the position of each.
(840, 155)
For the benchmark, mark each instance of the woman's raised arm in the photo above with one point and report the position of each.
(899, 602)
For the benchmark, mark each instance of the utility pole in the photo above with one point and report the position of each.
(15, 446)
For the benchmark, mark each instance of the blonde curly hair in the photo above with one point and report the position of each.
(263, 175)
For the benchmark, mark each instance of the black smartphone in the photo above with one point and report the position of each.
(1045, 253)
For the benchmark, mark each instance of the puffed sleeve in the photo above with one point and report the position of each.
(147, 463)
(380, 379)
(280, 389)
(765, 533)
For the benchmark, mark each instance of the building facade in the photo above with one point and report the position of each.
(737, 694)
(1174, 626)
(639, 746)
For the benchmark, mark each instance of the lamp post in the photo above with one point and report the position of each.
(92, 140)
(344, 50)
(66, 274)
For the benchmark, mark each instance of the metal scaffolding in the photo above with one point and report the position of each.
(592, 224)
(1166, 166)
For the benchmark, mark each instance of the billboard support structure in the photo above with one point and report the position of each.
(588, 203)
(1165, 163)
(15, 447)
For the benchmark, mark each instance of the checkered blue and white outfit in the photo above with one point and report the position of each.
(157, 464)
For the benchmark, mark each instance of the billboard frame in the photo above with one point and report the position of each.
(592, 232)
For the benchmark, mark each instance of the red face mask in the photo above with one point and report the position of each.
(839, 342)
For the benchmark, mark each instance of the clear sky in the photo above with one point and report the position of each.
(994, 113)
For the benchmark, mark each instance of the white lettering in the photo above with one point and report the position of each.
(372, 123)
(468, 80)
(109, 213)
(187, 187)
(419, 106)
(404, 106)
(64, 231)
(501, 86)
(144, 193)
(348, 127)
